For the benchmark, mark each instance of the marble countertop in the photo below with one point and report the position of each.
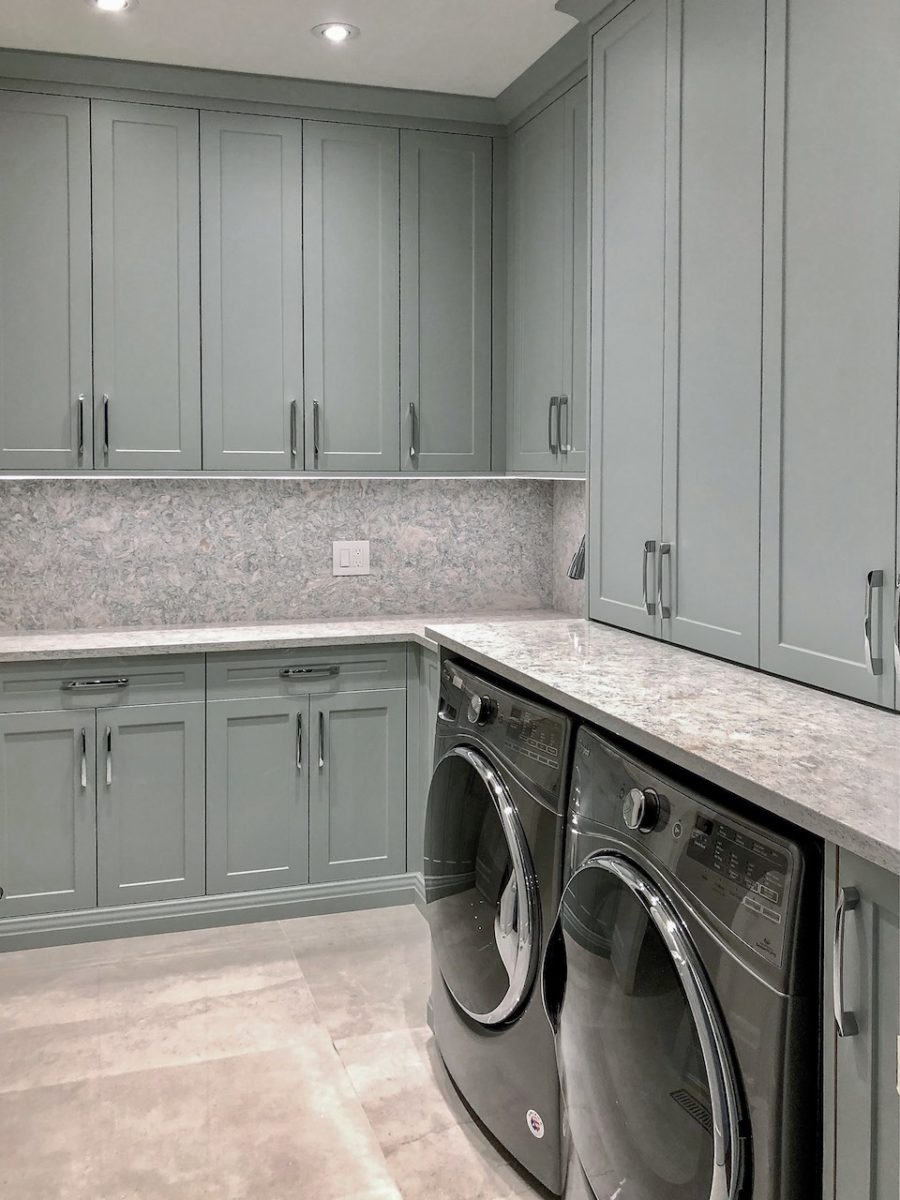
(829, 765)
(197, 639)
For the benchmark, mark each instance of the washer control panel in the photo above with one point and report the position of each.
(534, 734)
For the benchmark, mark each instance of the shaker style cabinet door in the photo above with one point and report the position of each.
(252, 276)
(357, 789)
(574, 396)
(145, 187)
(151, 799)
(830, 345)
(445, 289)
(351, 274)
(258, 755)
(48, 845)
(423, 685)
(45, 283)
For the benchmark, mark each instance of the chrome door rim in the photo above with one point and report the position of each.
(717, 1057)
(523, 871)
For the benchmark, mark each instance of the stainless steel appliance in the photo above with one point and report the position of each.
(493, 863)
(682, 982)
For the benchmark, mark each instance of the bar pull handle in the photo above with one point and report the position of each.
(80, 419)
(105, 426)
(649, 606)
(663, 551)
(413, 431)
(293, 430)
(316, 432)
(108, 756)
(321, 739)
(307, 672)
(84, 760)
(553, 424)
(299, 741)
(848, 900)
(564, 446)
(874, 579)
(95, 685)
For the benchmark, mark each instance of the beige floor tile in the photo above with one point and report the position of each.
(457, 1163)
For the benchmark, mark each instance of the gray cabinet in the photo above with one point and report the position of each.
(357, 792)
(45, 298)
(548, 288)
(351, 277)
(150, 802)
(676, 327)
(257, 754)
(251, 221)
(47, 812)
(423, 685)
(830, 367)
(145, 192)
(862, 1108)
(445, 289)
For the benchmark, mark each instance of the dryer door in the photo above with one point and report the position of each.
(480, 889)
(646, 1067)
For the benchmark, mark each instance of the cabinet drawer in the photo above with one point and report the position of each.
(319, 670)
(99, 683)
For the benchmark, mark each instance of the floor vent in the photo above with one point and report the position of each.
(694, 1108)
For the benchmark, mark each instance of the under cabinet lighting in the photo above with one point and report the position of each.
(336, 32)
(112, 6)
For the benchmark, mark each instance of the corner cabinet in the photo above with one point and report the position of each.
(547, 420)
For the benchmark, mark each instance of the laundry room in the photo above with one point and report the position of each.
(449, 600)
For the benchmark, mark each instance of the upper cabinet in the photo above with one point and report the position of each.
(548, 289)
(146, 240)
(252, 280)
(445, 313)
(830, 383)
(45, 283)
(351, 271)
(677, 160)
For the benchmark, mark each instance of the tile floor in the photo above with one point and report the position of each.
(280, 1061)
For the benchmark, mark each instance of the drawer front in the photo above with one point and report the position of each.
(320, 670)
(100, 683)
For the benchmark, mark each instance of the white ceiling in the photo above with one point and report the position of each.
(472, 47)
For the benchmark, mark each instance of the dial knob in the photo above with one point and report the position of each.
(641, 809)
(481, 710)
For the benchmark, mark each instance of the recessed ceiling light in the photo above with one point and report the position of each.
(336, 32)
(112, 6)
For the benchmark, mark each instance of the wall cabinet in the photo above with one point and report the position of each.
(677, 261)
(45, 300)
(862, 1107)
(548, 288)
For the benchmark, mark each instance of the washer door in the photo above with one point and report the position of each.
(647, 1070)
(480, 890)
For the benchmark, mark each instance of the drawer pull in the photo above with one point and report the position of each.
(84, 760)
(94, 685)
(108, 738)
(307, 672)
(321, 740)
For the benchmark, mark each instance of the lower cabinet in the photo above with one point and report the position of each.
(862, 996)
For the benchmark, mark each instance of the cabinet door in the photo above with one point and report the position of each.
(423, 688)
(47, 813)
(537, 291)
(45, 283)
(574, 382)
(357, 791)
(351, 273)
(713, 331)
(257, 754)
(862, 1108)
(628, 165)
(146, 202)
(445, 318)
(830, 341)
(150, 803)
(251, 209)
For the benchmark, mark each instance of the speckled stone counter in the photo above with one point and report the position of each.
(831, 766)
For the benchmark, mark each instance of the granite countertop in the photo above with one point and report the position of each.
(831, 766)
(207, 639)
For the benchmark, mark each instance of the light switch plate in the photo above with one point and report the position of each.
(350, 558)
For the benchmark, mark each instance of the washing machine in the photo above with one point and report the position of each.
(682, 981)
(494, 833)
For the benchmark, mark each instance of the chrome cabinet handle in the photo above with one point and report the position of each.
(105, 425)
(321, 739)
(564, 446)
(84, 760)
(316, 432)
(663, 551)
(108, 756)
(81, 425)
(95, 685)
(293, 429)
(649, 606)
(552, 411)
(299, 741)
(848, 900)
(413, 430)
(307, 672)
(897, 627)
(874, 579)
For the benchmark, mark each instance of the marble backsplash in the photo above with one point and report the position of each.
(95, 553)
(568, 526)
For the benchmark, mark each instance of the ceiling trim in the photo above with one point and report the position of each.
(558, 69)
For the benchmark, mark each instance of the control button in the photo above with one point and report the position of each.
(750, 903)
(641, 809)
(678, 830)
(770, 915)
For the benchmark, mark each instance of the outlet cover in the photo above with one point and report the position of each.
(350, 558)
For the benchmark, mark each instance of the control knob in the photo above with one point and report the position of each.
(481, 710)
(641, 809)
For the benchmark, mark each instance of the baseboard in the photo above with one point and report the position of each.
(202, 912)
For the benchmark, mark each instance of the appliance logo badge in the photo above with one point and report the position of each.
(535, 1123)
